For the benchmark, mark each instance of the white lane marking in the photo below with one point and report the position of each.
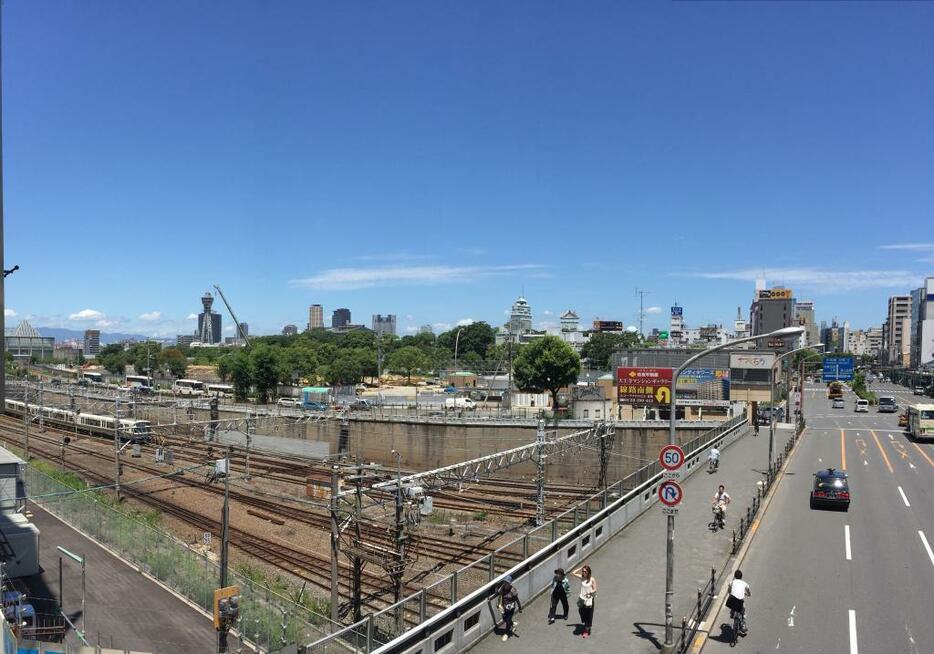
(891, 438)
(791, 617)
(927, 546)
(854, 649)
(846, 538)
(904, 499)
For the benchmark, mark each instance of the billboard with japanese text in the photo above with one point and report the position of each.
(644, 386)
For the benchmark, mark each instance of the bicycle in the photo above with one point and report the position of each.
(713, 465)
(719, 519)
(739, 626)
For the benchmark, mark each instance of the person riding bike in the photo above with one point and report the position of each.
(720, 501)
(736, 602)
(713, 458)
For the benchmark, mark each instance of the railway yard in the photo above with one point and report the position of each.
(280, 518)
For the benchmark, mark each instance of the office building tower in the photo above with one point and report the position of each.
(384, 325)
(316, 317)
(92, 341)
(340, 318)
(772, 310)
(676, 326)
(922, 324)
(244, 329)
(289, 330)
(209, 322)
(520, 317)
(425, 329)
(804, 312)
(184, 340)
(898, 331)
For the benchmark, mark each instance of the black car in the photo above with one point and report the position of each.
(831, 488)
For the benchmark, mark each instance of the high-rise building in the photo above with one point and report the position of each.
(316, 317)
(676, 326)
(384, 325)
(804, 311)
(836, 338)
(922, 337)
(184, 340)
(244, 329)
(771, 310)
(289, 330)
(898, 331)
(340, 318)
(520, 317)
(92, 341)
(209, 322)
(425, 329)
(874, 342)
(570, 322)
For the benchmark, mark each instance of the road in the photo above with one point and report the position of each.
(833, 581)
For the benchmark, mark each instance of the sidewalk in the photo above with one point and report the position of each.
(630, 569)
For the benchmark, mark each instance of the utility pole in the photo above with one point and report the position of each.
(356, 560)
(117, 446)
(26, 418)
(604, 459)
(508, 397)
(641, 293)
(41, 417)
(335, 547)
(399, 539)
(225, 542)
(540, 475)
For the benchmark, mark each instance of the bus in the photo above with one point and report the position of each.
(188, 387)
(921, 421)
(94, 377)
(139, 381)
(220, 390)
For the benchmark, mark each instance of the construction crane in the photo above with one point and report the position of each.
(246, 340)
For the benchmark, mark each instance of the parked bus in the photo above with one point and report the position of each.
(139, 381)
(188, 387)
(921, 421)
(94, 377)
(220, 390)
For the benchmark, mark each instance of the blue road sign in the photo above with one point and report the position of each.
(838, 369)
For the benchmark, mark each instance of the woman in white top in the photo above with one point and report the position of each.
(586, 598)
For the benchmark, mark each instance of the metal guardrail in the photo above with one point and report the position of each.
(579, 530)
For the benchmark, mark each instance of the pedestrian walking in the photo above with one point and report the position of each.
(560, 587)
(509, 603)
(585, 601)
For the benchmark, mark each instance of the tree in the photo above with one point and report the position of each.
(600, 348)
(546, 364)
(407, 360)
(240, 370)
(345, 369)
(113, 358)
(174, 360)
(266, 367)
(144, 356)
(476, 337)
(297, 362)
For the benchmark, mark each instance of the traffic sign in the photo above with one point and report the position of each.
(671, 457)
(670, 510)
(670, 493)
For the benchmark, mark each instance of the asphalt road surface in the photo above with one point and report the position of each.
(834, 581)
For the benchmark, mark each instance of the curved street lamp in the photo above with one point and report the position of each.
(816, 346)
(672, 440)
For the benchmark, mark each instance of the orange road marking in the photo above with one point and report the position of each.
(924, 454)
(843, 449)
(884, 455)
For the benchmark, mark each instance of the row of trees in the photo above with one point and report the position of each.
(144, 357)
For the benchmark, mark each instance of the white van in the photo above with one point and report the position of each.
(862, 406)
(459, 403)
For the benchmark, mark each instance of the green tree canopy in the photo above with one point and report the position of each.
(546, 364)
(345, 369)
(600, 348)
(113, 358)
(476, 337)
(266, 367)
(173, 359)
(240, 370)
(408, 360)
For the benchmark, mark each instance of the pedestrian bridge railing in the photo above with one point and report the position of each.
(562, 542)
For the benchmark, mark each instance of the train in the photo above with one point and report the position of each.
(134, 431)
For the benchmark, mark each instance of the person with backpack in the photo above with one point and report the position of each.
(509, 603)
(586, 597)
(560, 587)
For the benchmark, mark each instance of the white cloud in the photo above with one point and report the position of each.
(548, 312)
(87, 314)
(820, 279)
(441, 326)
(653, 310)
(395, 256)
(103, 323)
(151, 316)
(463, 322)
(9, 313)
(632, 329)
(409, 316)
(411, 329)
(922, 247)
(191, 316)
(356, 278)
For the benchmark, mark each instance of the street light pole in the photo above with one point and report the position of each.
(668, 646)
(816, 346)
(457, 338)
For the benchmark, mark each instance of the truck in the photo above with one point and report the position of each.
(459, 403)
(834, 390)
(887, 404)
(921, 421)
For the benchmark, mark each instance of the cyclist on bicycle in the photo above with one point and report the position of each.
(713, 458)
(736, 602)
(720, 501)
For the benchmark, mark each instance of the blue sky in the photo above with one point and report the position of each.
(437, 159)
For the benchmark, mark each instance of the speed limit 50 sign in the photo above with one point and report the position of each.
(671, 457)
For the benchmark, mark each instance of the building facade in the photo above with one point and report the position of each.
(922, 341)
(836, 338)
(184, 340)
(425, 329)
(520, 317)
(804, 312)
(340, 318)
(676, 326)
(24, 343)
(773, 309)
(898, 332)
(874, 342)
(92, 342)
(209, 322)
(316, 317)
(289, 330)
(384, 325)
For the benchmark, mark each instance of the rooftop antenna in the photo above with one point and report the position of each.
(641, 293)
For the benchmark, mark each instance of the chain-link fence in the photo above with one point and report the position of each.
(271, 621)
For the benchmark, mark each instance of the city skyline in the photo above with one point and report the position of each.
(559, 163)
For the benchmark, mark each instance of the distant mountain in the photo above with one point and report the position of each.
(62, 334)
